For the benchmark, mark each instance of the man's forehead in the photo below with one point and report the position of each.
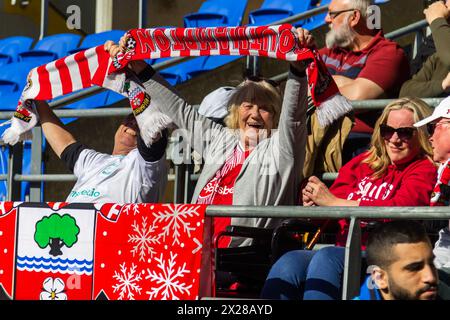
(405, 253)
(338, 3)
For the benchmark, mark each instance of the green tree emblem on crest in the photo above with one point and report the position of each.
(56, 231)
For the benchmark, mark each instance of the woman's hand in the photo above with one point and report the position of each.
(113, 48)
(317, 192)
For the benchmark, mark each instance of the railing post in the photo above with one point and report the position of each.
(418, 39)
(178, 195)
(142, 14)
(36, 164)
(352, 262)
(188, 185)
(103, 15)
(44, 19)
(14, 167)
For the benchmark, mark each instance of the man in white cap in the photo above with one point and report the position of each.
(439, 129)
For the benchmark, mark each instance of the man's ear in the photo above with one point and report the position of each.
(380, 278)
(355, 18)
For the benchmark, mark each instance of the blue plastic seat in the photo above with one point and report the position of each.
(316, 21)
(10, 47)
(214, 13)
(274, 10)
(13, 77)
(26, 168)
(179, 72)
(51, 48)
(211, 63)
(96, 39)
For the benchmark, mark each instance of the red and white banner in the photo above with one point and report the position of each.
(118, 252)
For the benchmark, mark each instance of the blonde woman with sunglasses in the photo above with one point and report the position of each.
(397, 170)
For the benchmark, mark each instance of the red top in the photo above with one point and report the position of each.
(219, 190)
(409, 184)
(382, 61)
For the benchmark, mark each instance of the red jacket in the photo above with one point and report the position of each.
(410, 184)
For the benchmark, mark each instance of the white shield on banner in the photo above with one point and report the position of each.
(55, 253)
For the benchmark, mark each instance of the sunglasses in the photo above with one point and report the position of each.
(405, 133)
(334, 14)
(272, 82)
(432, 126)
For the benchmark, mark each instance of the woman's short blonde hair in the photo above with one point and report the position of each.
(378, 158)
(261, 93)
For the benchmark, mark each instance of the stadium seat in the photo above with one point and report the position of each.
(211, 63)
(213, 13)
(274, 10)
(316, 21)
(179, 72)
(51, 48)
(10, 47)
(241, 271)
(90, 102)
(26, 168)
(96, 39)
(13, 76)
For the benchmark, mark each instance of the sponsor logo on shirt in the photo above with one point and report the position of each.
(110, 169)
(85, 192)
(369, 191)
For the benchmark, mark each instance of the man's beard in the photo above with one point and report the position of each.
(341, 37)
(399, 293)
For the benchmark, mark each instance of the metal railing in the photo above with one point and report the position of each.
(353, 256)
(183, 177)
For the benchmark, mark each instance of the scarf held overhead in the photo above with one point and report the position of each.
(95, 67)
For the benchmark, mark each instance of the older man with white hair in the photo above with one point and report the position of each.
(364, 65)
(439, 129)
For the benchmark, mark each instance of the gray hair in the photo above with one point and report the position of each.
(361, 6)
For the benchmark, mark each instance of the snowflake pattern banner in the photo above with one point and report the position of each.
(61, 251)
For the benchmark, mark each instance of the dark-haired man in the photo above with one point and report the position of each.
(401, 262)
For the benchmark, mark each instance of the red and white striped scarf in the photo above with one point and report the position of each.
(441, 192)
(95, 67)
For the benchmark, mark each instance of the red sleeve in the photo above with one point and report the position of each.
(415, 188)
(387, 66)
(347, 178)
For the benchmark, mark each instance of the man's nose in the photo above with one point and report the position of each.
(429, 274)
(328, 18)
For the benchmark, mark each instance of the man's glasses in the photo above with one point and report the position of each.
(431, 127)
(273, 83)
(334, 14)
(404, 133)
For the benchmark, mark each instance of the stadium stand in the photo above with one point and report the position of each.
(10, 47)
(96, 39)
(51, 48)
(212, 13)
(274, 10)
(217, 13)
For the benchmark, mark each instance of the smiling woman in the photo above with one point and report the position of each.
(255, 110)
(246, 161)
(396, 171)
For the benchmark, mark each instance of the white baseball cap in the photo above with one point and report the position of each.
(441, 111)
(215, 104)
